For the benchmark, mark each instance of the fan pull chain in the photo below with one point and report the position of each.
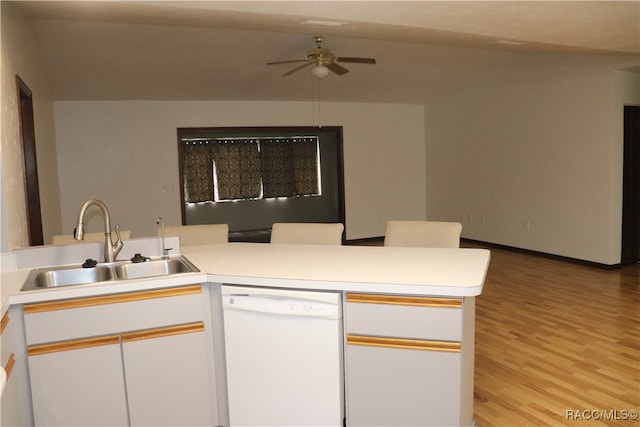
(315, 102)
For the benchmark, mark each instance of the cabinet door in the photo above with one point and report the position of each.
(395, 386)
(168, 377)
(85, 375)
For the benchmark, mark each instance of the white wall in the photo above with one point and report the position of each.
(125, 153)
(20, 56)
(529, 155)
(4, 228)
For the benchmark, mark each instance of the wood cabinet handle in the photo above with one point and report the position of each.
(4, 322)
(76, 344)
(111, 299)
(162, 332)
(404, 343)
(404, 300)
(9, 366)
(53, 347)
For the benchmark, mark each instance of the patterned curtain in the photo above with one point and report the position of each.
(197, 170)
(276, 159)
(237, 169)
(289, 166)
(305, 164)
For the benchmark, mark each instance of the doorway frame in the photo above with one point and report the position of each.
(630, 244)
(30, 161)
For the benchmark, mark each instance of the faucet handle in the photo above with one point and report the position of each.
(117, 246)
(119, 239)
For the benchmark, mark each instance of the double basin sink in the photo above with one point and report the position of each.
(51, 277)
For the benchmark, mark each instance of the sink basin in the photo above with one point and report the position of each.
(161, 267)
(120, 270)
(66, 276)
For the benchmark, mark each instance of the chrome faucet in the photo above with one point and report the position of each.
(165, 250)
(111, 249)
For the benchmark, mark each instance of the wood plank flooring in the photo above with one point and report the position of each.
(557, 344)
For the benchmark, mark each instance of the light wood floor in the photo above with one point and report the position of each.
(554, 337)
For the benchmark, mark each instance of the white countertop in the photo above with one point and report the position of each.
(376, 269)
(424, 271)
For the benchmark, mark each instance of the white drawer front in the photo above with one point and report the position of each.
(87, 317)
(395, 319)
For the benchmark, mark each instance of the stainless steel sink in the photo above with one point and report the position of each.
(66, 276)
(161, 267)
(52, 277)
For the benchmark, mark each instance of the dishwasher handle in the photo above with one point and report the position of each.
(286, 306)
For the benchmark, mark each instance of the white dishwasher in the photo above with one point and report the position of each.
(284, 357)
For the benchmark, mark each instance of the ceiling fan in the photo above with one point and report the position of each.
(323, 61)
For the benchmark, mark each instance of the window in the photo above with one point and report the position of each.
(228, 169)
(252, 177)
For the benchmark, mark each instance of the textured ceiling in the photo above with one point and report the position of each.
(218, 49)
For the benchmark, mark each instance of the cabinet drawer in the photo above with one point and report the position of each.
(109, 314)
(404, 316)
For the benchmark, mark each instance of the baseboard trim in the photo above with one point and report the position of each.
(578, 261)
(373, 241)
(368, 241)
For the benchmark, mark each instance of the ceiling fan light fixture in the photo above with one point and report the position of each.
(322, 61)
(320, 71)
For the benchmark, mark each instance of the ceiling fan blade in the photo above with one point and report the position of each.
(298, 68)
(338, 69)
(287, 62)
(358, 60)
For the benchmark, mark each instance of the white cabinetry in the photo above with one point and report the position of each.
(138, 358)
(16, 403)
(79, 385)
(167, 381)
(409, 360)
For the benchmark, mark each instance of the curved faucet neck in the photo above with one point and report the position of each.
(111, 250)
(83, 209)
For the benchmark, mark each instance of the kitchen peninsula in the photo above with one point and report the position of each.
(408, 319)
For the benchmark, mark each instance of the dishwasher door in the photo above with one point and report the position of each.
(284, 357)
